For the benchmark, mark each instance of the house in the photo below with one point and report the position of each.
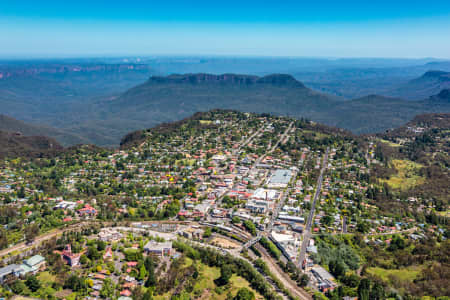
(87, 210)
(126, 293)
(108, 254)
(158, 249)
(72, 259)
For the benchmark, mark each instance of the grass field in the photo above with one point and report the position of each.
(46, 278)
(406, 274)
(206, 288)
(407, 175)
(390, 143)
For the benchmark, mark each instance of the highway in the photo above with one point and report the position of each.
(307, 231)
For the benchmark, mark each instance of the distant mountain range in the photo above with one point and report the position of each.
(430, 83)
(163, 99)
(93, 102)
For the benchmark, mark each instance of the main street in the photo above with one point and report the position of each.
(307, 231)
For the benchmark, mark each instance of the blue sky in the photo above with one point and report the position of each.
(322, 28)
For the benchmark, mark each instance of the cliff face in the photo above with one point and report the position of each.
(31, 70)
(232, 79)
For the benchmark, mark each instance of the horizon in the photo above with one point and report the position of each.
(326, 30)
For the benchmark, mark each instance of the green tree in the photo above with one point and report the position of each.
(337, 268)
(225, 274)
(32, 283)
(235, 220)
(304, 280)
(250, 226)
(107, 290)
(207, 232)
(244, 294)
(148, 295)
(364, 289)
(142, 272)
(93, 253)
(3, 239)
(17, 287)
(377, 292)
(31, 232)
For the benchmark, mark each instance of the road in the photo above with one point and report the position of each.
(344, 225)
(282, 276)
(307, 231)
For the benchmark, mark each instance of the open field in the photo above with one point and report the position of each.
(406, 274)
(407, 175)
(390, 143)
(206, 288)
(224, 243)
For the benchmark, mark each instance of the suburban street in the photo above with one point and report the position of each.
(307, 230)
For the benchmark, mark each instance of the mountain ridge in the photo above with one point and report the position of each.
(429, 84)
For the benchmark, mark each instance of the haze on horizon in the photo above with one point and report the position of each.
(403, 29)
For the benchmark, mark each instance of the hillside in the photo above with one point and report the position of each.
(14, 145)
(430, 83)
(87, 107)
(12, 125)
(163, 99)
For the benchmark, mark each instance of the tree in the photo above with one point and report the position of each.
(377, 292)
(148, 295)
(244, 294)
(225, 274)
(250, 226)
(351, 280)
(151, 277)
(207, 232)
(235, 220)
(31, 232)
(364, 289)
(326, 220)
(142, 272)
(17, 287)
(337, 268)
(304, 280)
(101, 245)
(363, 227)
(93, 253)
(107, 290)
(32, 283)
(3, 239)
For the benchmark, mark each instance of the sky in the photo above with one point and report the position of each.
(315, 28)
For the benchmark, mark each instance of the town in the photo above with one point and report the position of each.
(291, 199)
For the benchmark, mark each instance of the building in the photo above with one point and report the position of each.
(324, 279)
(257, 206)
(72, 259)
(291, 218)
(33, 265)
(9, 273)
(158, 249)
(280, 179)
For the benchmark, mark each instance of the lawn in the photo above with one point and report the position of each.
(46, 278)
(390, 143)
(406, 274)
(407, 175)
